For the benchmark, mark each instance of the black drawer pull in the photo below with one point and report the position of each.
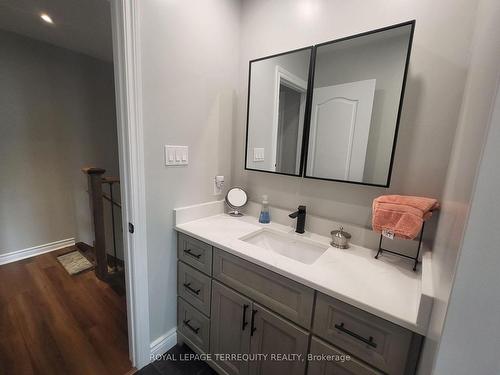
(190, 253)
(188, 287)
(252, 324)
(368, 341)
(186, 323)
(245, 323)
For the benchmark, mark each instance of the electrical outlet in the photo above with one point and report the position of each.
(218, 185)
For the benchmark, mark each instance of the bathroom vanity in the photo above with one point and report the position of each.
(241, 292)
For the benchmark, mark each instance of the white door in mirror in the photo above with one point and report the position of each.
(176, 155)
(340, 126)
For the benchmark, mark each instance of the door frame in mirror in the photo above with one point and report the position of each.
(299, 85)
(275, 119)
(305, 137)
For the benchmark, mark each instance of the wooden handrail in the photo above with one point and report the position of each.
(110, 180)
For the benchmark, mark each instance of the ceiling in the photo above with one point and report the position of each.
(80, 25)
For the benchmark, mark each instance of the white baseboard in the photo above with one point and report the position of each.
(164, 343)
(14, 256)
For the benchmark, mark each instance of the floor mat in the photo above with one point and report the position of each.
(74, 262)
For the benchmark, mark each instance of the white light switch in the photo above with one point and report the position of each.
(176, 155)
(258, 154)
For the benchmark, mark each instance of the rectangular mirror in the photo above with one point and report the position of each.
(355, 106)
(277, 95)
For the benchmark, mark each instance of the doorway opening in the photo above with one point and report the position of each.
(63, 239)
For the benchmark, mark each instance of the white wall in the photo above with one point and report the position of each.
(432, 101)
(57, 115)
(189, 65)
(262, 101)
(469, 140)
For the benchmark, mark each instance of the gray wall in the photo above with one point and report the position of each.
(189, 66)
(57, 115)
(432, 101)
(469, 140)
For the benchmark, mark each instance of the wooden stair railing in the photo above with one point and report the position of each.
(96, 179)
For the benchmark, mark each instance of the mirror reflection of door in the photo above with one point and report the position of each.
(290, 100)
(340, 126)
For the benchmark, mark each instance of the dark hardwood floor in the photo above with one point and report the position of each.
(54, 323)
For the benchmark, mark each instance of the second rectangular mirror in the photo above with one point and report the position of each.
(356, 103)
(277, 97)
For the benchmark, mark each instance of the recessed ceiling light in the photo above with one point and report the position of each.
(46, 18)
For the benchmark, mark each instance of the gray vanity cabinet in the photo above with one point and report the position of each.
(230, 307)
(230, 327)
(274, 335)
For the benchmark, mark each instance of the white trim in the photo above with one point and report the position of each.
(294, 82)
(163, 343)
(14, 256)
(127, 65)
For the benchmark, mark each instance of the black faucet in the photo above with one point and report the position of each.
(300, 214)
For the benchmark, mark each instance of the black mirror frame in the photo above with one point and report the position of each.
(307, 115)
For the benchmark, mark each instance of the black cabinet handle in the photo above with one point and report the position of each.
(252, 327)
(368, 341)
(188, 287)
(245, 323)
(190, 253)
(186, 323)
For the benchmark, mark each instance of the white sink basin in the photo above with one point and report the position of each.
(289, 245)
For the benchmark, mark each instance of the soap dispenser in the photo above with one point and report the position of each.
(264, 217)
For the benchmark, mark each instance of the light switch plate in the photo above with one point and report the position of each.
(258, 154)
(176, 155)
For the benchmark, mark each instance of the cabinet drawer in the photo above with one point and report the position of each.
(318, 365)
(284, 296)
(374, 340)
(193, 325)
(194, 286)
(195, 253)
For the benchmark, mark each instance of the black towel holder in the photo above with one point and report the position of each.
(415, 258)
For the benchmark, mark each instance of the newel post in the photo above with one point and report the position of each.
(95, 184)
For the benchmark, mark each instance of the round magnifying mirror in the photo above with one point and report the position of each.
(236, 198)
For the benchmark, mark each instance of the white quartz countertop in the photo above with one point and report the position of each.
(386, 287)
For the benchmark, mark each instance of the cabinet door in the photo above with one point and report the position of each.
(230, 328)
(273, 337)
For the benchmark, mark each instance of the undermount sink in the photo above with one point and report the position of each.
(288, 245)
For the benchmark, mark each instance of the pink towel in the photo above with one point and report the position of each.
(402, 215)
